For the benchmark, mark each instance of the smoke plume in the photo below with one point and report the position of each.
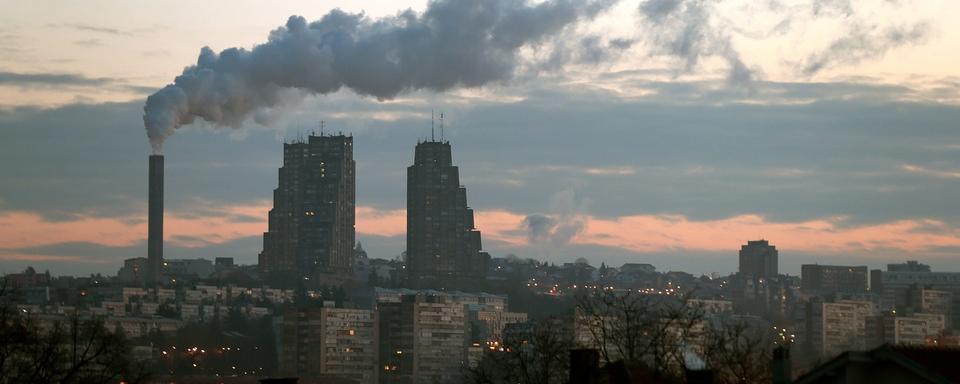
(562, 225)
(453, 43)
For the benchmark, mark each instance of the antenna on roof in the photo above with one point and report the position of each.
(441, 126)
(323, 124)
(431, 124)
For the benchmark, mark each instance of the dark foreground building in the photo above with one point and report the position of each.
(888, 364)
(311, 229)
(443, 246)
(758, 259)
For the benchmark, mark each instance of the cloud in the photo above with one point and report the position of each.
(661, 234)
(863, 42)
(68, 82)
(80, 258)
(51, 79)
(95, 29)
(26, 229)
(688, 149)
(659, 238)
(88, 42)
(943, 174)
(686, 30)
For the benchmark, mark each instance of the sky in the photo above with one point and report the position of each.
(668, 132)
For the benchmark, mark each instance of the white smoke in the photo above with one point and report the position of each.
(453, 43)
(558, 228)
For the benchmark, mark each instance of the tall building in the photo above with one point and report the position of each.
(324, 342)
(833, 278)
(311, 226)
(443, 246)
(758, 259)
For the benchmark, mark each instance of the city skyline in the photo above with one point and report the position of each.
(642, 155)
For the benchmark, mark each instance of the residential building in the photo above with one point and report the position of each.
(329, 342)
(443, 244)
(187, 268)
(834, 327)
(488, 322)
(930, 301)
(816, 278)
(909, 266)
(134, 271)
(423, 339)
(895, 289)
(898, 329)
(311, 228)
(888, 365)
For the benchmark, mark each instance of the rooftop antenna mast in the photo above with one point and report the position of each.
(431, 124)
(323, 125)
(441, 126)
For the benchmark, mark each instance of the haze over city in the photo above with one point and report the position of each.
(480, 191)
(827, 126)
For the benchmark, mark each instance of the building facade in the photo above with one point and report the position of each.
(932, 301)
(312, 224)
(443, 245)
(423, 339)
(329, 342)
(758, 259)
(833, 278)
(897, 290)
(833, 328)
(917, 329)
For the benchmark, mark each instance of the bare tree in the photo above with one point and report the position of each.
(738, 352)
(72, 351)
(536, 355)
(629, 326)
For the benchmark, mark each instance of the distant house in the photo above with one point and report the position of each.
(889, 364)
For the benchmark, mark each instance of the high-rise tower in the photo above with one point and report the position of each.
(311, 226)
(758, 259)
(443, 246)
(155, 219)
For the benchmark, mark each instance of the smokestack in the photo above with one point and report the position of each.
(155, 220)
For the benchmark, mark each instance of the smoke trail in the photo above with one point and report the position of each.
(558, 228)
(453, 43)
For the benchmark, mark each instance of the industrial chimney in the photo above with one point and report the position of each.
(155, 220)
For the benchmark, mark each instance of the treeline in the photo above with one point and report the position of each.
(71, 350)
(652, 338)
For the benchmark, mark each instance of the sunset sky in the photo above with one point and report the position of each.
(667, 132)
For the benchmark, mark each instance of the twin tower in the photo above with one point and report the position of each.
(311, 232)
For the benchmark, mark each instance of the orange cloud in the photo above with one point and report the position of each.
(656, 233)
(27, 229)
(638, 233)
(371, 221)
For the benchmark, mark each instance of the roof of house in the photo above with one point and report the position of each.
(935, 364)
